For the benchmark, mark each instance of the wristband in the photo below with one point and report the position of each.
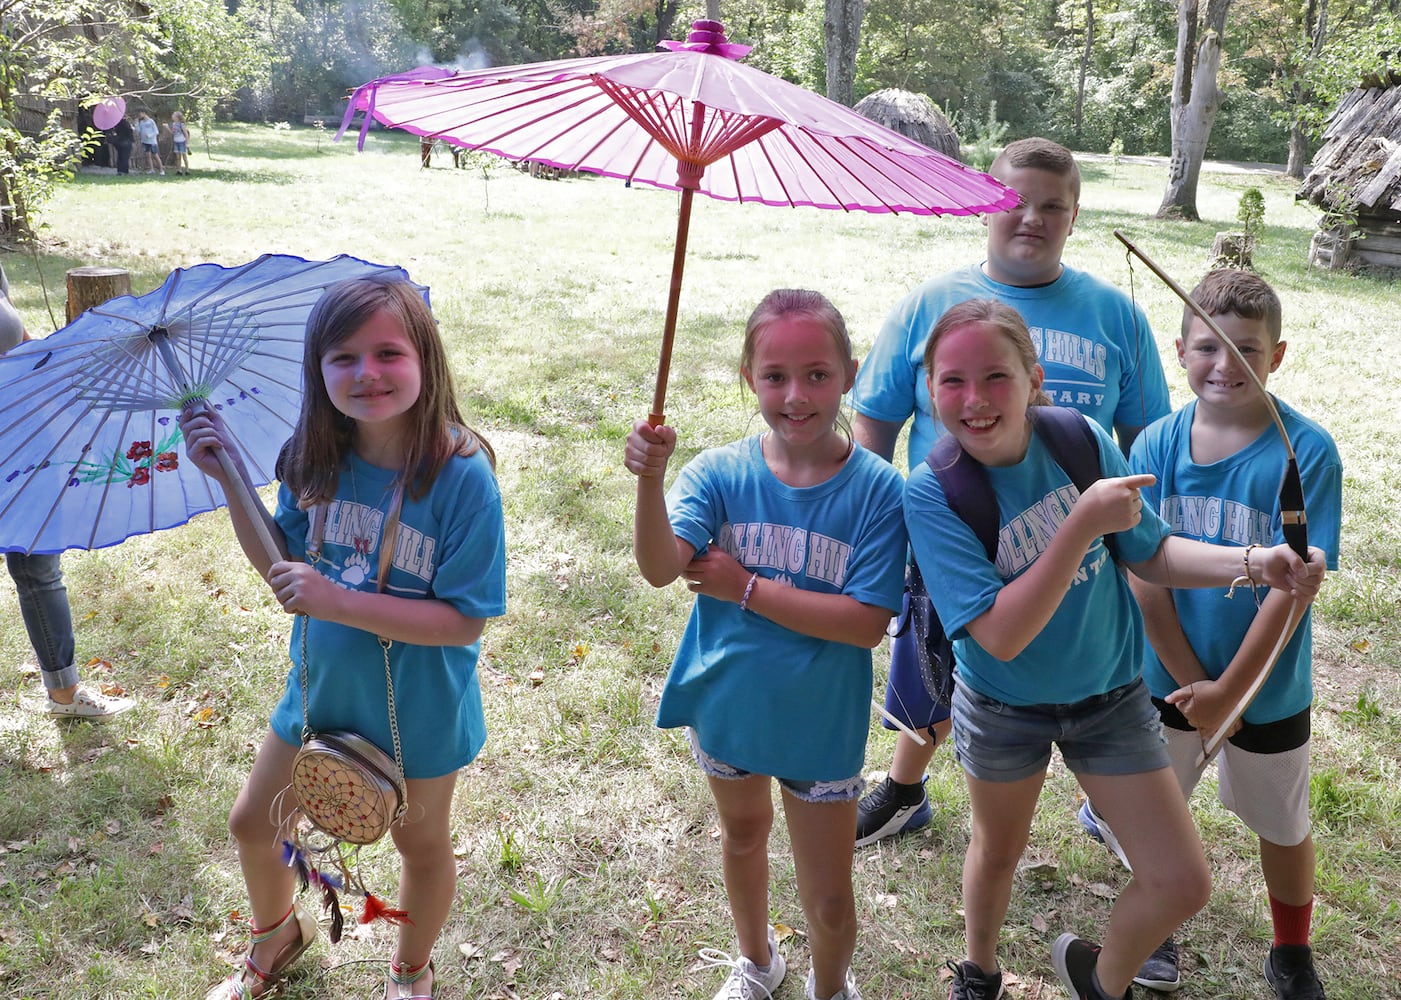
(748, 592)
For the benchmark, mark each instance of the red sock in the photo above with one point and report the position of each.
(1291, 922)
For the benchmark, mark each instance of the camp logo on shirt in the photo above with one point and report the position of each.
(1025, 537)
(359, 527)
(1217, 519)
(1056, 347)
(786, 548)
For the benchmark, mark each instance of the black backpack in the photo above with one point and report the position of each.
(1067, 435)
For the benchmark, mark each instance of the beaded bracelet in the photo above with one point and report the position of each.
(748, 591)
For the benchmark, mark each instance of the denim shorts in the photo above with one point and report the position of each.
(807, 791)
(1115, 733)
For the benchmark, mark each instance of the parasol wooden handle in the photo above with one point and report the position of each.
(243, 495)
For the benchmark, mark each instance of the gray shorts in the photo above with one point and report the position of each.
(1114, 733)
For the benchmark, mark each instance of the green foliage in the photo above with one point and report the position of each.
(64, 51)
(1339, 211)
(31, 167)
(1250, 214)
(987, 137)
(1357, 52)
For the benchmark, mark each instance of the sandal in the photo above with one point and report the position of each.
(407, 975)
(264, 981)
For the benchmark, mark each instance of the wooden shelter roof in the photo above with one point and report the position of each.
(1361, 152)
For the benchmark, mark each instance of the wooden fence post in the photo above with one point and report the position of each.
(92, 286)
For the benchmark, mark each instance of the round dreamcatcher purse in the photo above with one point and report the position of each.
(348, 787)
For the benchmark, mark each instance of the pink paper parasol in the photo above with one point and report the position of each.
(691, 118)
(108, 112)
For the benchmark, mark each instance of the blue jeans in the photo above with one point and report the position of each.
(43, 602)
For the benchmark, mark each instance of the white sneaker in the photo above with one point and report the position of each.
(747, 981)
(89, 704)
(847, 992)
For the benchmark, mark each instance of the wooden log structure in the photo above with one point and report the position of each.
(92, 286)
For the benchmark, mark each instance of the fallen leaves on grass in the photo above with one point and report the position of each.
(510, 960)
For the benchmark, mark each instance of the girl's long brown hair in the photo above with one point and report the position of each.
(310, 461)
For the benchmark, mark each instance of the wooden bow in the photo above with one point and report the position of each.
(1293, 517)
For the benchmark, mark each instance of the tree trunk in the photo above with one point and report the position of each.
(841, 32)
(1195, 101)
(1298, 153)
(1316, 26)
(1084, 68)
(712, 11)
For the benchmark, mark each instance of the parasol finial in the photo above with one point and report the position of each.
(708, 37)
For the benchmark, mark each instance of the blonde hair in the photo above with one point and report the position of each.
(309, 463)
(1000, 317)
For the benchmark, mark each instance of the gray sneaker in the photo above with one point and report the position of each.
(88, 704)
(746, 980)
(847, 992)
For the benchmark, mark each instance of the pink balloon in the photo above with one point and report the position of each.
(108, 113)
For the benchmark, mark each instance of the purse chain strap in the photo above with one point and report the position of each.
(389, 539)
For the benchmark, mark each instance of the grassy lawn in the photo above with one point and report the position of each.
(587, 846)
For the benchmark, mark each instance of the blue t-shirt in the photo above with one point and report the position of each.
(1095, 346)
(759, 696)
(451, 546)
(1236, 502)
(1094, 641)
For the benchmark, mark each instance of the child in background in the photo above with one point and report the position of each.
(792, 542)
(379, 434)
(1217, 462)
(1049, 646)
(180, 136)
(148, 134)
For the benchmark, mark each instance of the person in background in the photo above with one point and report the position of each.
(180, 136)
(43, 599)
(148, 132)
(123, 137)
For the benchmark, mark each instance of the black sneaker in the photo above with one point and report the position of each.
(1074, 960)
(1159, 971)
(1289, 971)
(891, 808)
(971, 983)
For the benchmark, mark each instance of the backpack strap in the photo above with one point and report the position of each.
(1067, 435)
(967, 489)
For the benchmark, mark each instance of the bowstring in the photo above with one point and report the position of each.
(1138, 364)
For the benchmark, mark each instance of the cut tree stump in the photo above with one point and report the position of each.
(92, 286)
